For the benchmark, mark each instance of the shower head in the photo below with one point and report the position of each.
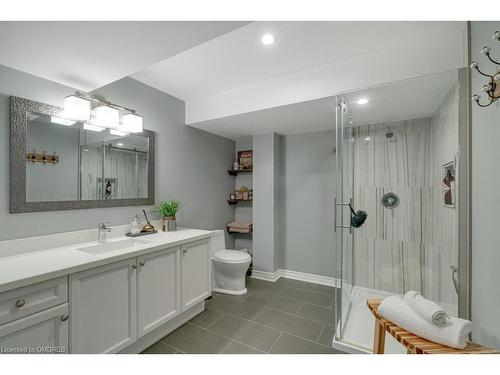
(389, 133)
(358, 217)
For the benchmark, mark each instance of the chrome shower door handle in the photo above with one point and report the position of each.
(454, 271)
(335, 215)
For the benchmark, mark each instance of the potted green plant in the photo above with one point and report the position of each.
(168, 210)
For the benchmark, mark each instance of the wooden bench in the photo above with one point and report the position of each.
(414, 344)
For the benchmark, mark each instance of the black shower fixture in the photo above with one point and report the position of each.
(358, 217)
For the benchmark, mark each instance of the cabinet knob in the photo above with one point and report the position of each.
(20, 303)
(64, 317)
(133, 266)
(142, 263)
(184, 251)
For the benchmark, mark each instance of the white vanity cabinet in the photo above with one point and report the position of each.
(158, 297)
(195, 273)
(103, 308)
(45, 332)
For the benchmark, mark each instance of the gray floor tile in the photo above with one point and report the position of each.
(274, 302)
(330, 290)
(160, 348)
(289, 323)
(237, 348)
(226, 304)
(295, 283)
(261, 285)
(194, 340)
(206, 318)
(246, 332)
(288, 344)
(322, 314)
(326, 337)
(307, 296)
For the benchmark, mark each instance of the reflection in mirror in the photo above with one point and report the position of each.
(66, 162)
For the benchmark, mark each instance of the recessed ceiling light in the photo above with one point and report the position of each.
(119, 144)
(362, 101)
(267, 39)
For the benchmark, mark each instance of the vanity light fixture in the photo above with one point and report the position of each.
(76, 108)
(107, 117)
(93, 128)
(362, 101)
(103, 115)
(492, 88)
(131, 123)
(62, 121)
(267, 39)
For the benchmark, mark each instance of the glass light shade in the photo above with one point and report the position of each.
(92, 128)
(117, 132)
(107, 117)
(131, 123)
(61, 121)
(76, 108)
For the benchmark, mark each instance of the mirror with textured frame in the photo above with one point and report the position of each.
(58, 164)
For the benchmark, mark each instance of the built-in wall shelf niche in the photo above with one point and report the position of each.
(233, 172)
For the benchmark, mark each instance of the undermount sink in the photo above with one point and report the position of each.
(113, 245)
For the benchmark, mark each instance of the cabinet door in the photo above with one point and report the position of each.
(158, 293)
(195, 273)
(103, 308)
(45, 332)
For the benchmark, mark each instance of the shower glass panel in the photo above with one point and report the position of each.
(342, 212)
(397, 159)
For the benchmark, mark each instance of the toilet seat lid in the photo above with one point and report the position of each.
(232, 256)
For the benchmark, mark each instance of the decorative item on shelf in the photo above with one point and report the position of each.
(449, 184)
(168, 210)
(492, 88)
(235, 165)
(34, 157)
(148, 227)
(245, 160)
(250, 194)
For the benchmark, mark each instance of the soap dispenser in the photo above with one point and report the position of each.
(135, 226)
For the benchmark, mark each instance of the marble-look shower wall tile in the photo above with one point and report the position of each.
(412, 264)
(388, 266)
(364, 260)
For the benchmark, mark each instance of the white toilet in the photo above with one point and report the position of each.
(229, 267)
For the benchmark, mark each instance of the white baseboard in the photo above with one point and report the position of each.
(287, 274)
(268, 276)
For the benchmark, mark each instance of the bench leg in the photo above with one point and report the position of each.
(379, 338)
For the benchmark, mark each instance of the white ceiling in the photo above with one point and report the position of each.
(239, 58)
(407, 99)
(88, 55)
(235, 73)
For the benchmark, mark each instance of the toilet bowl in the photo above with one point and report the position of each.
(229, 267)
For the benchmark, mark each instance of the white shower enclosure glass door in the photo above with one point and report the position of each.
(343, 230)
(398, 162)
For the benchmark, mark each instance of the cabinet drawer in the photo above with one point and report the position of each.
(21, 302)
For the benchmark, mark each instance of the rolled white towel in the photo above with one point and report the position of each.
(454, 333)
(426, 308)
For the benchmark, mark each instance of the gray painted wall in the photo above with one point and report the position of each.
(485, 203)
(190, 164)
(264, 219)
(305, 193)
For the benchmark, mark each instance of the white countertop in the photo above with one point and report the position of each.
(17, 270)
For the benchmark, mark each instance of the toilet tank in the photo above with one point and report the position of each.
(218, 241)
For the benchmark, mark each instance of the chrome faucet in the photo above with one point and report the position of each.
(102, 229)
